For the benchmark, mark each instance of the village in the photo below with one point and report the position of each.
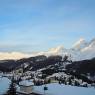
(29, 82)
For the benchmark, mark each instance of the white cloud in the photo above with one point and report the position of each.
(13, 55)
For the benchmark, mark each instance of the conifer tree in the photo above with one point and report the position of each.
(12, 88)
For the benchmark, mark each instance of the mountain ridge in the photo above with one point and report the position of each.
(81, 50)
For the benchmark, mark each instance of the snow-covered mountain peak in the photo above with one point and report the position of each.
(81, 50)
(92, 43)
(81, 43)
(57, 49)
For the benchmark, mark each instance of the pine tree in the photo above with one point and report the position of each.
(76, 83)
(69, 80)
(12, 88)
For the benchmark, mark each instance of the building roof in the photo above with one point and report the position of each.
(26, 83)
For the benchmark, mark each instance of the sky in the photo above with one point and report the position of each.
(37, 25)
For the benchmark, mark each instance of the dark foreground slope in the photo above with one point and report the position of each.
(34, 62)
(83, 67)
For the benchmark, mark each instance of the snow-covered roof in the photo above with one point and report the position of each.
(57, 89)
(26, 83)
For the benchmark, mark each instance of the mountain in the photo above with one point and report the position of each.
(81, 55)
(88, 52)
(83, 67)
(78, 60)
(31, 63)
(81, 43)
(81, 50)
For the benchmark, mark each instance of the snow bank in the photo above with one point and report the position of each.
(57, 89)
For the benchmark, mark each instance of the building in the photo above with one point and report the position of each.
(25, 88)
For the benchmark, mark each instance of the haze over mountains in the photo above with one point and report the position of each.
(81, 50)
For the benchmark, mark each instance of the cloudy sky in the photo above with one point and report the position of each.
(37, 25)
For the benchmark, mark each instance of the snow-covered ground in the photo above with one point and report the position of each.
(53, 89)
(4, 85)
(57, 89)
